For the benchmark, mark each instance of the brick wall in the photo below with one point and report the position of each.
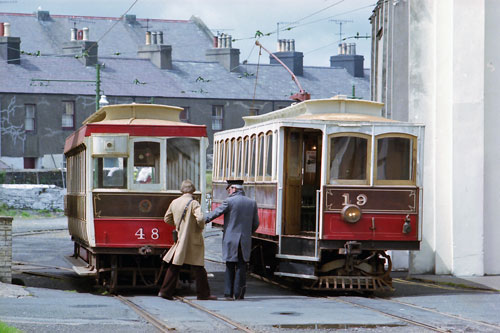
(5, 249)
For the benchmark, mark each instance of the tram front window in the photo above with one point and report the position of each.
(348, 158)
(110, 172)
(394, 159)
(146, 162)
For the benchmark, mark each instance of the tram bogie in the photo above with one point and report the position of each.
(124, 167)
(337, 186)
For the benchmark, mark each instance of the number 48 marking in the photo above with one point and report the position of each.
(361, 199)
(155, 234)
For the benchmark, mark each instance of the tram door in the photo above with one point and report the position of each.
(302, 180)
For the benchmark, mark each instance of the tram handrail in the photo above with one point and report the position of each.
(316, 236)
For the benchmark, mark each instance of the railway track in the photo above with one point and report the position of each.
(162, 327)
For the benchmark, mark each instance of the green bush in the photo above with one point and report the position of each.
(4, 328)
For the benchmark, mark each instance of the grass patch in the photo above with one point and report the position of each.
(4, 328)
(29, 213)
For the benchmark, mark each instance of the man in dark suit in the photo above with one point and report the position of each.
(240, 221)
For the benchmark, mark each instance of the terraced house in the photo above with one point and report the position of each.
(50, 64)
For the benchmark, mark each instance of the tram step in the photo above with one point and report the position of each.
(297, 245)
(81, 267)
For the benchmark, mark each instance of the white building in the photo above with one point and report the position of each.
(438, 63)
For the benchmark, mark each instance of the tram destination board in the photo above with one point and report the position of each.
(373, 200)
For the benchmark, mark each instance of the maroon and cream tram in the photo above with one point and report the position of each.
(124, 167)
(337, 186)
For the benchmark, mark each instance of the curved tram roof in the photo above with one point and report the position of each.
(135, 120)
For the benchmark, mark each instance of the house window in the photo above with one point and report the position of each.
(29, 124)
(68, 117)
(217, 117)
(184, 115)
(29, 162)
(253, 112)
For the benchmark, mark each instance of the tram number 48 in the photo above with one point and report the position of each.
(155, 233)
(360, 199)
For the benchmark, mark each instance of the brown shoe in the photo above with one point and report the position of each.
(162, 295)
(208, 298)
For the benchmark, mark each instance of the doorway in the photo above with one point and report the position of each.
(302, 178)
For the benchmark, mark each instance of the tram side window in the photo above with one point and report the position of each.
(348, 156)
(146, 162)
(251, 156)
(220, 160)
(110, 172)
(183, 162)
(395, 158)
(260, 171)
(269, 151)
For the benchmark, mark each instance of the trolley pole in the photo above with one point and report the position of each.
(97, 86)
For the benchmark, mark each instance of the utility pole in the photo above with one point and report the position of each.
(97, 82)
(340, 22)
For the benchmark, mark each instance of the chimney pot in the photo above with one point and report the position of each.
(85, 34)
(73, 34)
(6, 29)
(292, 45)
(229, 41)
(216, 42)
(148, 37)
(154, 40)
(160, 37)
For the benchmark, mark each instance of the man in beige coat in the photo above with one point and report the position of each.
(185, 214)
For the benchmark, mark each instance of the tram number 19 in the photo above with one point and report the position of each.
(360, 199)
(155, 234)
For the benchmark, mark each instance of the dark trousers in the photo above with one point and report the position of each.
(172, 276)
(235, 279)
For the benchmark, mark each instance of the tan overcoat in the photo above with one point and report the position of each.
(190, 247)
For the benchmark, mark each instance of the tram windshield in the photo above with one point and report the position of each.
(348, 158)
(394, 158)
(183, 162)
(146, 162)
(110, 172)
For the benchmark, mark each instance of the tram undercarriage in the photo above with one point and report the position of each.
(349, 268)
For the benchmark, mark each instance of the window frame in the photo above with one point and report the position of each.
(161, 169)
(33, 118)
(413, 170)
(365, 181)
(65, 103)
(218, 117)
(268, 160)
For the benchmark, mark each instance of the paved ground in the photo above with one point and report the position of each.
(71, 303)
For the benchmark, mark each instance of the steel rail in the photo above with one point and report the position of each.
(497, 327)
(159, 324)
(410, 321)
(35, 232)
(212, 313)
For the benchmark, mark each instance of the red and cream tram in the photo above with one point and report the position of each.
(124, 167)
(337, 186)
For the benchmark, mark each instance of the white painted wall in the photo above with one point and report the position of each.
(13, 162)
(491, 138)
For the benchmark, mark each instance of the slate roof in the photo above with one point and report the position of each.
(125, 75)
(189, 40)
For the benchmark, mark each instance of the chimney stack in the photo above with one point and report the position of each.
(348, 59)
(223, 52)
(287, 54)
(85, 50)
(154, 50)
(10, 47)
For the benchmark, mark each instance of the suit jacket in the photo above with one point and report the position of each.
(190, 247)
(240, 221)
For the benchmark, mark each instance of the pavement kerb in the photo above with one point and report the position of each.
(451, 284)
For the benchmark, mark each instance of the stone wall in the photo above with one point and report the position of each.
(49, 197)
(5, 249)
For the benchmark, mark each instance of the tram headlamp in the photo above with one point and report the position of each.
(350, 213)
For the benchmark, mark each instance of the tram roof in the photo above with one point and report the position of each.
(337, 108)
(135, 120)
(143, 114)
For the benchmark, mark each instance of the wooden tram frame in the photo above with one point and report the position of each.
(118, 232)
(326, 252)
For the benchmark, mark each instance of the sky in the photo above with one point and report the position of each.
(314, 24)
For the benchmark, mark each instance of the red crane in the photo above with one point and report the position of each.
(302, 95)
